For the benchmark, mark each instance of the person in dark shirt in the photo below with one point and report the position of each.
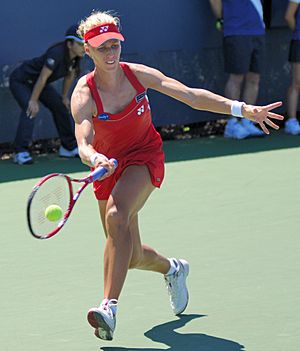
(30, 83)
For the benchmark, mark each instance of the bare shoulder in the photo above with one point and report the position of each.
(82, 103)
(81, 89)
(148, 76)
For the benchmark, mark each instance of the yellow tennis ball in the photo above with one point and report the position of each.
(53, 213)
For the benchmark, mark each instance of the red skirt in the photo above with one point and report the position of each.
(153, 160)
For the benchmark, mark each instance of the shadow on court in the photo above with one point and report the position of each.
(166, 334)
(175, 150)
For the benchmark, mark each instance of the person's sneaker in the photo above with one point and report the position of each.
(251, 128)
(63, 152)
(292, 126)
(23, 158)
(235, 130)
(103, 319)
(177, 288)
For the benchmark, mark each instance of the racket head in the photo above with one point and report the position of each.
(54, 189)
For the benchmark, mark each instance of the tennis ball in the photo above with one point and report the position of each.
(53, 213)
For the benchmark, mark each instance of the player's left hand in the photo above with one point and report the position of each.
(262, 115)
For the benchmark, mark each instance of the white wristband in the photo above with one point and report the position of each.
(237, 108)
(94, 156)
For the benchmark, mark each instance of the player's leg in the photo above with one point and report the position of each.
(143, 256)
(127, 198)
(175, 271)
(124, 249)
(292, 124)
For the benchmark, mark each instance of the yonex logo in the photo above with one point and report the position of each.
(140, 97)
(141, 110)
(103, 116)
(103, 29)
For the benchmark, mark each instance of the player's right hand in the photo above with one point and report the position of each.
(32, 109)
(103, 161)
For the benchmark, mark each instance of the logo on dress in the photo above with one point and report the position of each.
(103, 29)
(141, 110)
(103, 116)
(140, 97)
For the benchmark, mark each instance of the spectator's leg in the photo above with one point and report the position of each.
(293, 91)
(251, 88)
(22, 93)
(62, 118)
(292, 125)
(233, 86)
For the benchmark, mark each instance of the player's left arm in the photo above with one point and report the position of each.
(201, 99)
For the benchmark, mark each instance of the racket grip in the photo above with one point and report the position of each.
(100, 171)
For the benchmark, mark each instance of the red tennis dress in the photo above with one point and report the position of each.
(128, 136)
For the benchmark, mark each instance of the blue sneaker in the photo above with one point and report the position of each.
(251, 128)
(235, 130)
(23, 158)
(63, 152)
(292, 126)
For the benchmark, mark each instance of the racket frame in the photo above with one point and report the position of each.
(97, 174)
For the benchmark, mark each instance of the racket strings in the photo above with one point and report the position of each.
(54, 191)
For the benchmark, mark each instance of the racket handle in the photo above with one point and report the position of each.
(100, 171)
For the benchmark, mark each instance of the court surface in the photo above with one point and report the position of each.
(230, 208)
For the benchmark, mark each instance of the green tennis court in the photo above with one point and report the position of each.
(230, 208)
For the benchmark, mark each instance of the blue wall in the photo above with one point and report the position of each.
(175, 36)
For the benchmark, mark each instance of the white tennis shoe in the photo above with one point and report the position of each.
(103, 319)
(177, 288)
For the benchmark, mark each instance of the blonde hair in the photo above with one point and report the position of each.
(95, 19)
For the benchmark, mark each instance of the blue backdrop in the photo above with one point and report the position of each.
(175, 36)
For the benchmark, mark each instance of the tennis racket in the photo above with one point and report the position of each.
(56, 190)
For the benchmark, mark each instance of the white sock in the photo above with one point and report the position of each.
(173, 266)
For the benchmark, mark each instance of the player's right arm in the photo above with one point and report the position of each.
(290, 14)
(83, 108)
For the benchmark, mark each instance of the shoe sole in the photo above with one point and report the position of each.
(102, 329)
(186, 267)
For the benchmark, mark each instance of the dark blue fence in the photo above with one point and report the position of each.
(176, 36)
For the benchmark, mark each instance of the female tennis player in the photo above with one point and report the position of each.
(113, 119)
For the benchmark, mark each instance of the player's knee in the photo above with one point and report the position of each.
(116, 220)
